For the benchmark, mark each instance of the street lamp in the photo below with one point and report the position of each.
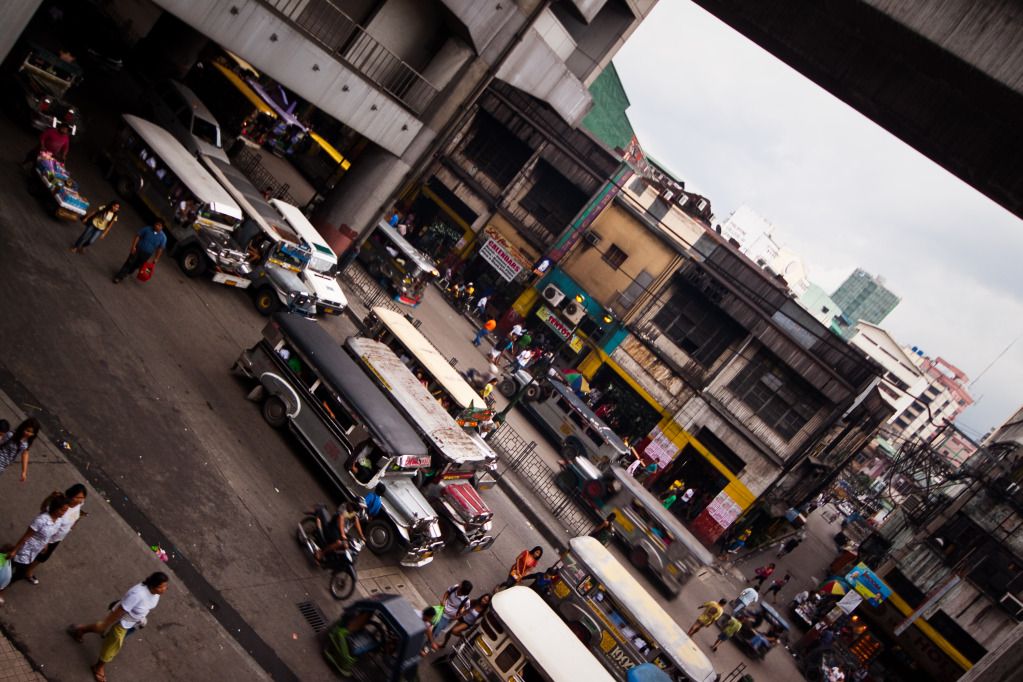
(543, 368)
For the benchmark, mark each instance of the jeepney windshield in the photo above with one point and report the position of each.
(207, 214)
(290, 256)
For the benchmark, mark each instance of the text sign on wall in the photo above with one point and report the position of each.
(868, 584)
(553, 321)
(500, 259)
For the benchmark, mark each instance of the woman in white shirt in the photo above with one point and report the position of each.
(75, 496)
(36, 538)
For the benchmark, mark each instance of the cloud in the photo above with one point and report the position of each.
(743, 128)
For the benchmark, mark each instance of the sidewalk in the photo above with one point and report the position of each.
(97, 563)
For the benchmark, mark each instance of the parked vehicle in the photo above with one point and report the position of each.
(180, 111)
(590, 585)
(306, 382)
(402, 267)
(275, 257)
(654, 537)
(376, 640)
(571, 425)
(341, 563)
(44, 79)
(320, 274)
(456, 458)
(522, 638)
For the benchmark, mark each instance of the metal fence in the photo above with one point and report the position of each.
(520, 456)
(250, 163)
(327, 24)
(367, 289)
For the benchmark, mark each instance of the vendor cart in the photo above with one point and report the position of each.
(61, 191)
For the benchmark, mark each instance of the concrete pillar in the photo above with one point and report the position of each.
(363, 194)
(171, 47)
(17, 14)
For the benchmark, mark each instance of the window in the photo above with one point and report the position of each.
(615, 256)
(508, 657)
(780, 398)
(552, 200)
(696, 325)
(496, 151)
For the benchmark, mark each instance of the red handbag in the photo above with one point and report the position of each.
(146, 272)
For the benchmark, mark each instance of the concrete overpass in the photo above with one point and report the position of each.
(945, 76)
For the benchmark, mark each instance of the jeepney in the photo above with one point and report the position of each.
(403, 268)
(307, 383)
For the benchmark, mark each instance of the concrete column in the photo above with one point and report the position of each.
(17, 14)
(363, 194)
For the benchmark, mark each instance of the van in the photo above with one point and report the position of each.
(180, 111)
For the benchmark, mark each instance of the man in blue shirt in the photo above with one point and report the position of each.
(147, 245)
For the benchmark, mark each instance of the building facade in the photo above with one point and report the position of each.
(863, 296)
(941, 402)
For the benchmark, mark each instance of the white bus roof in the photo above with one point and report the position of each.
(301, 225)
(670, 522)
(185, 166)
(415, 401)
(248, 197)
(642, 608)
(430, 358)
(422, 261)
(544, 638)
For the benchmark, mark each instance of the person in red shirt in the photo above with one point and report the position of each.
(524, 565)
(56, 141)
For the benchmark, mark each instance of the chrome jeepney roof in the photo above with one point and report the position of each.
(642, 608)
(412, 398)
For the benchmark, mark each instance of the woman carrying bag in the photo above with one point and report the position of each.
(97, 226)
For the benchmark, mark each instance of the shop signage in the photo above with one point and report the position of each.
(500, 254)
(553, 321)
(723, 509)
(868, 584)
(660, 448)
(850, 601)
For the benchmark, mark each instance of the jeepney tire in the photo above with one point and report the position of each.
(192, 261)
(380, 536)
(571, 450)
(448, 532)
(275, 412)
(266, 301)
(638, 557)
(507, 388)
(533, 392)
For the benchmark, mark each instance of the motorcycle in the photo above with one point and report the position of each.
(341, 563)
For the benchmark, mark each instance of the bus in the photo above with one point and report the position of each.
(571, 425)
(322, 269)
(148, 162)
(457, 459)
(406, 270)
(622, 624)
(307, 383)
(521, 639)
(656, 540)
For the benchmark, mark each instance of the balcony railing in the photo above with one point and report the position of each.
(325, 23)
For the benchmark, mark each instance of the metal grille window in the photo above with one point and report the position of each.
(615, 256)
(780, 398)
(696, 325)
(552, 200)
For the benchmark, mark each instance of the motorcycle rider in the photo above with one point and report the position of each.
(336, 532)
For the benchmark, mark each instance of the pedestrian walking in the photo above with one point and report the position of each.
(472, 615)
(790, 545)
(761, 574)
(454, 603)
(488, 326)
(746, 598)
(146, 247)
(128, 615)
(736, 546)
(524, 565)
(777, 584)
(523, 359)
(75, 496)
(712, 610)
(97, 226)
(481, 306)
(17, 443)
(730, 629)
(488, 388)
(34, 540)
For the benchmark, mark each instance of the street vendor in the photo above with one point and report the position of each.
(56, 141)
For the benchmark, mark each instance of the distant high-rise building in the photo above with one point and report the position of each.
(863, 296)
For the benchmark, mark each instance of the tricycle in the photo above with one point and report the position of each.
(377, 640)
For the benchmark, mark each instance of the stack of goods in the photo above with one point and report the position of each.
(53, 173)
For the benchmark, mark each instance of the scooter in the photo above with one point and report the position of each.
(341, 563)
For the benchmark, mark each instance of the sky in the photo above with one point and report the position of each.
(742, 128)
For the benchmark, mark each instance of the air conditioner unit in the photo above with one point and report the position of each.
(591, 238)
(553, 295)
(573, 312)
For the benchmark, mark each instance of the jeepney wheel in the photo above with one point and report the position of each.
(533, 392)
(638, 557)
(267, 302)
(379, 536)
(507, 388)
(192, 261)
(275, 412)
